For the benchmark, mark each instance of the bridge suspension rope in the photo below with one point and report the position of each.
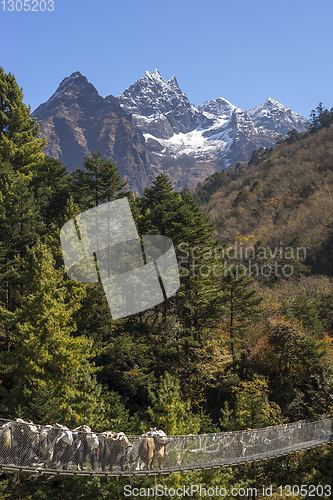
(55, 450)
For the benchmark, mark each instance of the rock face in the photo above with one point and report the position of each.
(76, 120)
(152, 127)
(159, 108)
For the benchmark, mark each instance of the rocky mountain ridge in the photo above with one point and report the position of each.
(159, 108)
(152, 127)
(76, 120)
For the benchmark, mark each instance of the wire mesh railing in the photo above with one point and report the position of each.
(30, 448)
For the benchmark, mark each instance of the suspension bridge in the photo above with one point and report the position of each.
(28, 448)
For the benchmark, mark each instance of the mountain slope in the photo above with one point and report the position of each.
(284, 198)
(76, 120)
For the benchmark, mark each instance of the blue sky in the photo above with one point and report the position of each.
(244, 51)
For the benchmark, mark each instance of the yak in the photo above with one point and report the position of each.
(86, 447)
(113, 449)
(57, 445)
(23, 443)
(18, 443)
(152, 447)
(6, 443)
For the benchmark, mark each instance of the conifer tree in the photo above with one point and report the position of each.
(241, 303)
(178, 216)
(197, 300)
(99, 182)
(38, 349)
(51, 189)
(169, 411)
(21, 158)
(20, 225)
(18, 142)
(159, 193)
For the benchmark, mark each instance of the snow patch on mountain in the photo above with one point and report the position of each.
(192, 144)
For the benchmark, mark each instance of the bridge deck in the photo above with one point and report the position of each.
(183, 453)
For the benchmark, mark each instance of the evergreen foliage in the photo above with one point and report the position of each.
(241, 303)
(216, 355)
(18, 142)
(169, 412)
(320, 118)
(99, 182)
(38, 349)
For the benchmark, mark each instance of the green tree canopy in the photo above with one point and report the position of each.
(253, 409)
(169, 411)
(241, 303)
(38, 349)
(98, 183)
(18, 142)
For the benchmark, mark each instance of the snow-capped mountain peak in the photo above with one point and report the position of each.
(269, 104)
(173, 128)
(218, 107)
(173, 83)
(158, 107)
(274, 116)
(272, 100)
(155, 75)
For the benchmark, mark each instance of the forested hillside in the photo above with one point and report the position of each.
(283, 196)
(229, 351)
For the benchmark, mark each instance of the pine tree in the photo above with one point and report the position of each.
(21, 157)
(18, 142)
(159, 193)
(169, 411)
(20, 225)
(320, 118)
(178, 216)
(241, 303)
(98, 183)
(197, 299)
(38, 349)
(51, 189)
